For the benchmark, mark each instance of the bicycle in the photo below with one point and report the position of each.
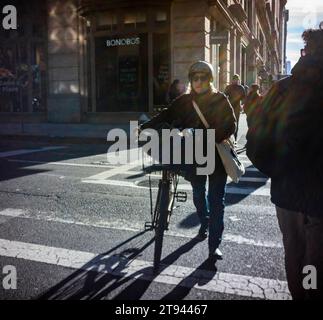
(161, 214)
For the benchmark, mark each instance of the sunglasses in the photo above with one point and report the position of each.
(202, 78)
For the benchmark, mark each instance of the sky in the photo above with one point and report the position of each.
(303, 14)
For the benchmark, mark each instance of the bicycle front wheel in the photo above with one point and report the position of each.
(161, 221)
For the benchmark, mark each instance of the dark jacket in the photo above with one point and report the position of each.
(236, 94)
(285, 140)
(251, 105)
(181, 114)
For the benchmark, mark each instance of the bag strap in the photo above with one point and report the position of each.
(207, 126)
(200, 114)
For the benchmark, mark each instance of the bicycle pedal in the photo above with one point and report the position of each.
(181, 196)
(148, 226)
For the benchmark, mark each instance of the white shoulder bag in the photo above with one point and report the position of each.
(233, 167)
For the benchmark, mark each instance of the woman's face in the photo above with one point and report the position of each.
(200, 82)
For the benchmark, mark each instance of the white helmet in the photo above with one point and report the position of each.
(201, 67)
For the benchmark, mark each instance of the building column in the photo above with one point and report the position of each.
(233, 52)
(63, 62)
(224, 66)
(190, 28)
(238, 55)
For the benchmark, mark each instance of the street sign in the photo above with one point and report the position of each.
(219, 37)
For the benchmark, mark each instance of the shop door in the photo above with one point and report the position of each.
(122, 74)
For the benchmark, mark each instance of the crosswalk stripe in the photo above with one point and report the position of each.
(112, 172)
(226, 283)
(262, 191)
(26, 151)
(134, 226)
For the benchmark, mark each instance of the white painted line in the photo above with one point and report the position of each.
(257, 209)
(134, 226)
(251, 179)
(250, 242)
(26, 151)
(244, 179)
(262, 191)
(226, 283)
(252, 169)
(10, 212)
(114, 183)
(61, 163)
(112, 172)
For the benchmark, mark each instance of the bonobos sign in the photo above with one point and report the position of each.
(9, 17)
(123, 42)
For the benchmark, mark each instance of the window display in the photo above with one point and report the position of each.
(23, 63)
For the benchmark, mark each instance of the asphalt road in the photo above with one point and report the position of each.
(72, 225)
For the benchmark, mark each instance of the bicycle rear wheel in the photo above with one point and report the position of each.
(161, 221)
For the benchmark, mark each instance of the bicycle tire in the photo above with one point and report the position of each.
(161, 222)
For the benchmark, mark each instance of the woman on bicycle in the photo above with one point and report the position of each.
(219, 114)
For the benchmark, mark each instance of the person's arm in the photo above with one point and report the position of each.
(159, 118)
(165, 116)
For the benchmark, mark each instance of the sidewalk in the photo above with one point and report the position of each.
(82, 133)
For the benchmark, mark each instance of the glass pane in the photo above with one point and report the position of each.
(9, 88)
(22, 64)
(161, 68)
(121, 73)
(130, 18)
(38, 69)
(161, 16)
(141, 17)
(107, 19)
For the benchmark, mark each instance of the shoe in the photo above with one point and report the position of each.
(216, 254)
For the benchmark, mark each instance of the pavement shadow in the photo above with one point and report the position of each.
(138, 287)
(88, 281)
(190, 221)
(103, 275)
(20, 165)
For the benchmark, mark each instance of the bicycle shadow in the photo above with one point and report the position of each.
(100, 277)
(88, 281)
(136, 289)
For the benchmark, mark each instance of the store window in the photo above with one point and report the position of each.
(135, 19)
(107, 20)
(161, 68)
(161, 16)
(121, 73)
(122, 62)
(23, 60)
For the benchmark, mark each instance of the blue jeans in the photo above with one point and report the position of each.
(210, 206)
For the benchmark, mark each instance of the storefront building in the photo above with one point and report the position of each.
(108, 62)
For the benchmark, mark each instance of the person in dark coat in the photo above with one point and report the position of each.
(285, 142)
(236, 94)
(219, 113)
(176, 89)
(252, 102)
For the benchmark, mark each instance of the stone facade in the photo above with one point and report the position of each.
(63, 62)
(255, 50)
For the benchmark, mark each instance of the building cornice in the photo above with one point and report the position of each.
(87, 6)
